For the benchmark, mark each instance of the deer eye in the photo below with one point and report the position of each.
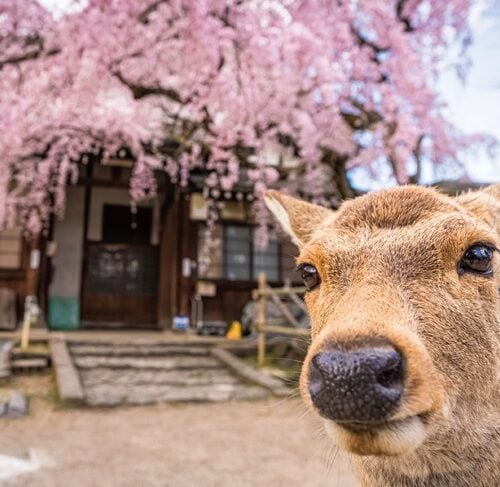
(477, 259)
(309, 275)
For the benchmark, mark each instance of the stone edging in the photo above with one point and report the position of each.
(68, 381)
(249, 373)
(5, 351)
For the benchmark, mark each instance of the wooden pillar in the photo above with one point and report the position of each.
(89, 170)
(45, 275)
(87, 201)
(261, 320)
(33, 269)
(167, 286)
(32, 282)
(185, 254)
(177, 242)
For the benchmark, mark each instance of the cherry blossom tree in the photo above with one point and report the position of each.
(293, 90)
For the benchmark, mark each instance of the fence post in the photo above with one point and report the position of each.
(261, 320)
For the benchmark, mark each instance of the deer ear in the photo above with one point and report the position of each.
(483, 204)
(298, 218)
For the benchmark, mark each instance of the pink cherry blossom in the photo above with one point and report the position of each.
(234, 89)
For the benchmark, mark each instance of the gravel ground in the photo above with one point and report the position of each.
(236, 444)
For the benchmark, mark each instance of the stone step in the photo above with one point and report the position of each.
(109, 350)
(133, 378)
(153, 394)
(166, 363)
(22, 364)
(150, 373)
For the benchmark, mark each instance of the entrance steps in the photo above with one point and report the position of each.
(114, 374)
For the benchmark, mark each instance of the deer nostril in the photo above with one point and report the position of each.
(391, 376)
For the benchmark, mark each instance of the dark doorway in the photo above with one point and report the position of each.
(120, 275)
(121, 225)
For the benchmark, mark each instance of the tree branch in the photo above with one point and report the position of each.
(362, 41)
(337, 163)
(143, 16)
(415, 178)
(405, 20)
(35, 42)
(362, 121)
(140, 91)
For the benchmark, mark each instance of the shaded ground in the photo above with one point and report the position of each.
(236, 444)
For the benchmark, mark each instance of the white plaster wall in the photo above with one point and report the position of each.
(68, 234)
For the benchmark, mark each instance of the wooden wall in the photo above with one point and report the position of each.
(229, 301)
(24, 281)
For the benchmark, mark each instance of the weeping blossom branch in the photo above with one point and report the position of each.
(261, 86)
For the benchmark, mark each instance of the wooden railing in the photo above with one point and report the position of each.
(262, 325)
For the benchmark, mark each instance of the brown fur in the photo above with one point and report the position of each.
(388, 267)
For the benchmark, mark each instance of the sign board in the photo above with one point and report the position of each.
(206, 289)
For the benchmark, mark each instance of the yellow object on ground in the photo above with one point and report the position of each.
(234, 332)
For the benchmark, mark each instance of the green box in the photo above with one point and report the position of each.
(64, 313)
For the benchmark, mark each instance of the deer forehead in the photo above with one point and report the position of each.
(395, 208)
(393, 219)
(442, 235)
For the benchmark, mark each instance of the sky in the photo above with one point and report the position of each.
(60, 7)
(474, 107)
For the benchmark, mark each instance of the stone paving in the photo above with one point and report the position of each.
(13, 404)
(136, 374)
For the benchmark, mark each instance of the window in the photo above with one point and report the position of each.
(10, 249)
(268, 261)
(237, 253)
(233, 255)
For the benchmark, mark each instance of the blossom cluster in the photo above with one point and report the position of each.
(253, 89)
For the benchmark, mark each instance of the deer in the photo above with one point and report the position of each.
(403, 365)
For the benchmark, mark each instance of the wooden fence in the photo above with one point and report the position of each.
(262, 325)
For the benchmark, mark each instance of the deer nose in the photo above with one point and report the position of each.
(359, 385)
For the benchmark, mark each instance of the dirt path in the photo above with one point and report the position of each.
(265, 443)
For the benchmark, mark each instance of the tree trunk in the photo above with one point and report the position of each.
(337, 164)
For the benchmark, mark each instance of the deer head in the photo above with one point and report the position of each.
(402, 292)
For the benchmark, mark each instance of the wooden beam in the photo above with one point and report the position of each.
(285, 311)
(261, 320)
(244, 370)
(167, 286)
(185, 251)
(33, 268)
(278, 291)
(285, 330)
(87, 199)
